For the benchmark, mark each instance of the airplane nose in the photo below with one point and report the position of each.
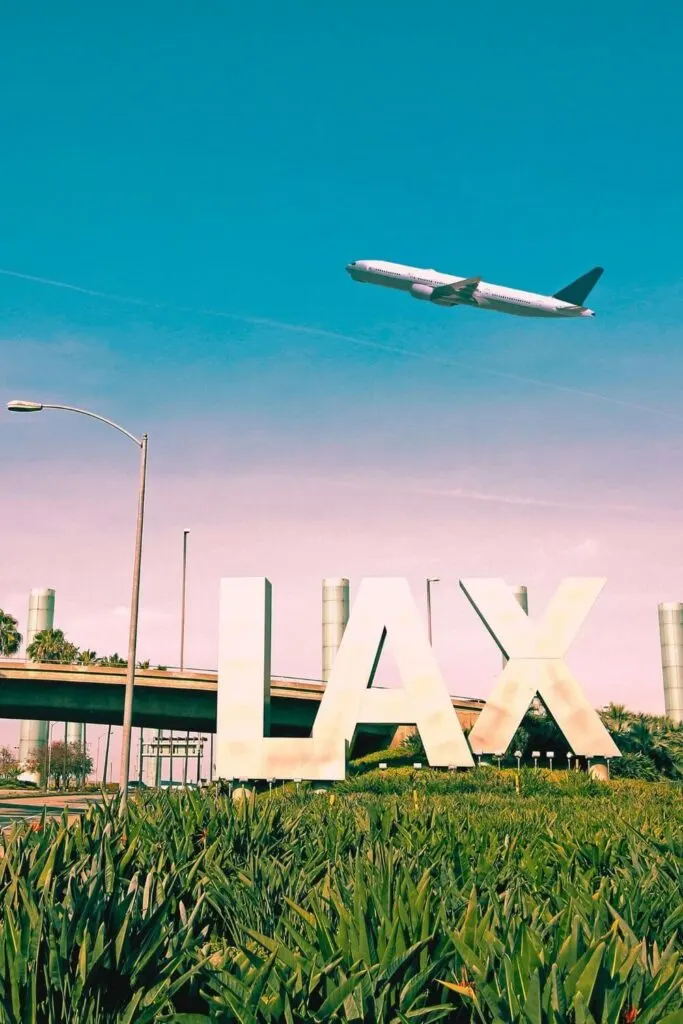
(350, 266)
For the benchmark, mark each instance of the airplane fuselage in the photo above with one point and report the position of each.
(421, 284)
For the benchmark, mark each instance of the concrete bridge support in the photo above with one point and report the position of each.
(33, 735)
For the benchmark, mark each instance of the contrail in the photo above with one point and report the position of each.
(466, 494)
(320, 332)
(74, 288)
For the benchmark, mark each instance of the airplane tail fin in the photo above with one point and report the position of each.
(578, 291)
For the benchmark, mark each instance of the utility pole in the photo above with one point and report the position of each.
(182, 640)
(434, 579)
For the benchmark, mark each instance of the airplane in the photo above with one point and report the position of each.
(447, 290)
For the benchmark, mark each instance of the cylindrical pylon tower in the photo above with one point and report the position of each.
(41, 615)
(335, 618)
(671, 642)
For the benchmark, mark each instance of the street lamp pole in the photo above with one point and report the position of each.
(434, 579)
(106, 758)
(182, 636)
(18, 406)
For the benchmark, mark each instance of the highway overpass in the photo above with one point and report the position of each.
(164, 698)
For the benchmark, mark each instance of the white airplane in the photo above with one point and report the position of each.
(446, 290)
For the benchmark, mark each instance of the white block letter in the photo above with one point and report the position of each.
(385, 609)
(243, 698)
(536, 666)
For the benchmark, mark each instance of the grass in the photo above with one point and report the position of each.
(453, 897)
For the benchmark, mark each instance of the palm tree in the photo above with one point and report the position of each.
(616, 717)
(10, 637)
(88, 658)
(113, 661)
(52, 645)
(658, 739)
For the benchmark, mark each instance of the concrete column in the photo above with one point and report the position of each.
(335, 618)
(521, 597)
(149, 761)
(74, 732)
(33, 735)
(671, 642)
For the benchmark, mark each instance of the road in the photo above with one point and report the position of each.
(32, 806)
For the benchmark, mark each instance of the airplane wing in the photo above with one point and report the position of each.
(457, 291)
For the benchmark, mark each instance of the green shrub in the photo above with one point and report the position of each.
(352, 906)
(634, 766)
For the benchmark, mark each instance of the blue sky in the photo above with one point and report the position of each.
(230, 159)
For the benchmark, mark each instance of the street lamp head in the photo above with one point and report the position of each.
(433, 579)
(18, 406)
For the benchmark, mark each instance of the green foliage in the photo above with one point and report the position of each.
(65, 762)
(113, 661)
(88, 658)
(634, 765)
(481, 904)
(52, 645)
(10, 637)
(9, 766)
(657, 740)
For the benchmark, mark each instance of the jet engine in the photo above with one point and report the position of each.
(421, 291)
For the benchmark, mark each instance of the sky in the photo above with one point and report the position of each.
(181, 187)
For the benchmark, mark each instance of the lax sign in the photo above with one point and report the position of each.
(385, 610)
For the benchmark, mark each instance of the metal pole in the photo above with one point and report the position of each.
(49, 753)
(106, 757)
(210, 757)
(66, 726)
(133, 635)
(22, 406)
(429, 607)
(182, 638)
(157, 773)
(46, 758)
(182, 603)
(142, 732)
(85, 754)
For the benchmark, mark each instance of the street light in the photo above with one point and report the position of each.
(182, 642)
(97, 756)
(433, 579)
(141, 442)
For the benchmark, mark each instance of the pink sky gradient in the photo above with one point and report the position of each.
(72, 529)
(299, 463)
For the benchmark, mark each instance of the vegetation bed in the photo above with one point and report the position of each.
(477, 904)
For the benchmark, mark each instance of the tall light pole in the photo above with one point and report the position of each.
(182, 641)
(97, 756)
(106, 757)
(141, 442)
(433, 579)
